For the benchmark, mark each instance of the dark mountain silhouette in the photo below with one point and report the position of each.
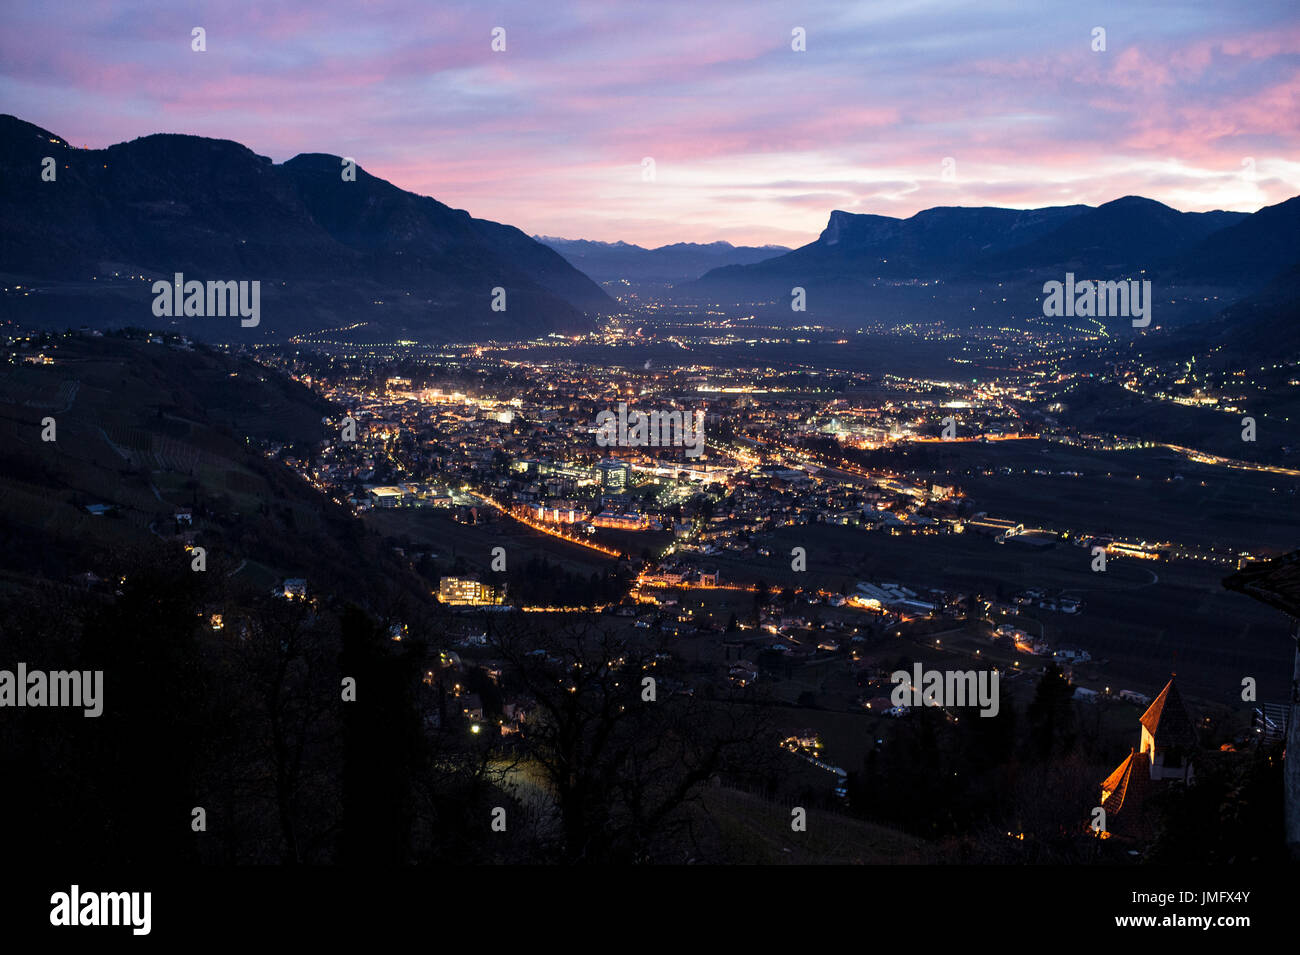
(1264, 323)
(328, 252)
(928, 245)
(948, 242)
(1251, 252)
(1131, 234)
(679, 262)
(863, 264)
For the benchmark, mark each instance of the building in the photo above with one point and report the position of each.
(1167, 745)
(468, 592)
(894, 597)
(557, 512)
(996, 526)
(613, 476)
(624, 522)
(385, 496)
(742, 673)
(1168, 737)
(806, 741)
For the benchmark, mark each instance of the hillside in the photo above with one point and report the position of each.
(328, 253)
(1253, 251)
(944, 264)
(1128, 235)
(929, 244)
(144, 430)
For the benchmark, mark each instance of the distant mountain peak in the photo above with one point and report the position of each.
(1132, 201)
(666, 264)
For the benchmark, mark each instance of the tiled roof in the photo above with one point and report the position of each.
(1274, 582)
(1116, 781)
(1167, 720)
(1125, 784)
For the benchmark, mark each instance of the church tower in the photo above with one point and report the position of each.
(1168, 743)
(1168, 737)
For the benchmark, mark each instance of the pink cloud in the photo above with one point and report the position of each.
(549, 135)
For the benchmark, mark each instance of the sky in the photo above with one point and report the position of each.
(890, 108)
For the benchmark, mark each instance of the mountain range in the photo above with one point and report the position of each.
(666, 265)
(1200, 261)
(364, 260)
(328, 252)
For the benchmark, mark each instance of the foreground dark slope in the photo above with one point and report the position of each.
(216, 695)
(148, 429)
(328, 252)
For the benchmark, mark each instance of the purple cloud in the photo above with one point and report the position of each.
(752, 141)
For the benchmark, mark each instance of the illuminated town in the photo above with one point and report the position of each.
(552, 440)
